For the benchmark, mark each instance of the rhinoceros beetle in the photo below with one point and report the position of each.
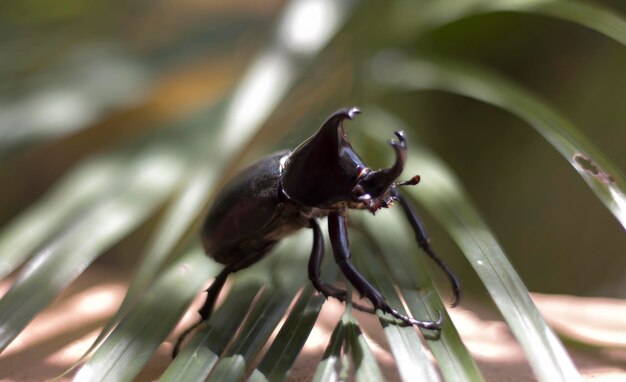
(289, 190)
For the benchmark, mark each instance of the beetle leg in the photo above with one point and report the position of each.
(423, 241)
(315, 263)
(341, 249)
(213, 293)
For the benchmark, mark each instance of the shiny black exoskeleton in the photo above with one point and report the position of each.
(286, 191)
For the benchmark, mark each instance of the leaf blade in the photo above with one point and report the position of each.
(444, 197)
(601, 175)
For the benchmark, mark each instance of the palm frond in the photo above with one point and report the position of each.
(143, 128)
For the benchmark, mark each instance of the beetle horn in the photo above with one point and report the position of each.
(332, 129)
(322, 170)
(375, 183)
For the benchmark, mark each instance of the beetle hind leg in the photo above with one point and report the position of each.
(213, 293)
(339, 239)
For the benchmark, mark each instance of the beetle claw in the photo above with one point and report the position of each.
(429, 325)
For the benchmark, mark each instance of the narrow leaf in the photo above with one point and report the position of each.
(386, 236)
(84, 185)
(177, 218)
(200, 355)
(365, 365)
(600, 174)
(443, 196)
(124, 353)
(55, 266)
(293, 334)
(418, 18)
(411, 357)
(328, 369)
(287, 277)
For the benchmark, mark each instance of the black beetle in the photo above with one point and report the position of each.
(290, 190)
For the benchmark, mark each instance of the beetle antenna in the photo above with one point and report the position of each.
(411, 182)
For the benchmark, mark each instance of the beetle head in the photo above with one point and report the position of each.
(326, 172)
(377, 188)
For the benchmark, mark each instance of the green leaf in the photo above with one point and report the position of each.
(200, 355)
(123, 354)
(177, 218)
(267, 312)
(278, 285)
(590, 15)
(365, 365)
(600, 174)
(85, 185)
(444, 197)
(289, 342)
(384, 236)
(411, 357)
(148, 183)
(329, 367)
(285, 348)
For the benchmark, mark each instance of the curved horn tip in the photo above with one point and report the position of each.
(353, 111)
(401, 135)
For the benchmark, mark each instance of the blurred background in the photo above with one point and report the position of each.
(83, 81)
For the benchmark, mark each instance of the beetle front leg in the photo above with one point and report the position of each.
(423, 241)
(341, 249)
(315, 263)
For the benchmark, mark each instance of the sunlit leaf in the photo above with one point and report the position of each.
(130, 345)
(264, 317)
(200, 355)
(149, 182)
(329, 369)
(366, 368)
(83, 186)
(285, 348)
(406, 346)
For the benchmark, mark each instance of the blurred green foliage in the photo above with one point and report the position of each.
(96, 84)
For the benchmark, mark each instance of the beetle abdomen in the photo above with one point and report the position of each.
(239, 227)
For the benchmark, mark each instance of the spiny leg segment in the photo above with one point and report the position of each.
(339, 239)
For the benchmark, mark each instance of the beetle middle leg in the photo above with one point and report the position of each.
(339, 239)
(315, 263)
